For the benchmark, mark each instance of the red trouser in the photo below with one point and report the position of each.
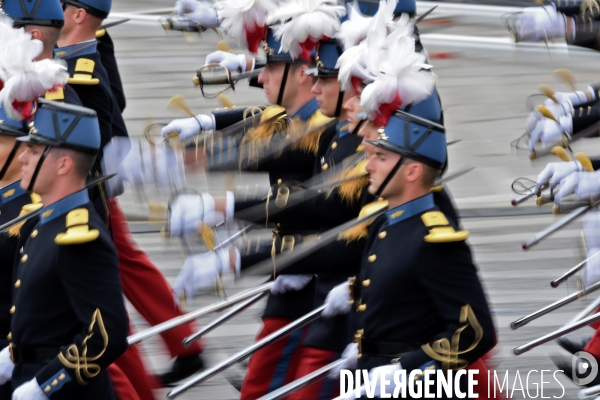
(123, 388)
(593, 346)
(275, 365)
(311, 360)
(146, 288)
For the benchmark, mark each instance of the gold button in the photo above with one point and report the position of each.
(333, 145)
(13, 309)
(34, 234)
(278, 225)
(55, 382)
(279, 181)
(324, 167)
(24, 258)
(361, 308)
(61, 377)
(372, 258)
(9, 336)
(18, 283)
(47, 389)
(366, 283)
(382, 235)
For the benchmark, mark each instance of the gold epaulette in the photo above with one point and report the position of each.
(269, 125)
(306, 134)
(83, 73)
(351, 190)
(15, 230)
(440, 230)
(437, 189)
(78, 231)
(361, 231)
(57, 95)
(100, 32)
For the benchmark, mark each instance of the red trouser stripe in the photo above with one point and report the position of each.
(267, 365)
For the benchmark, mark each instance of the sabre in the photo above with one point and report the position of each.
(242, 355)
(556, 334)
(525, 197)
(227, 78)
(222, 319)
(556, 282)
(586, 311)
(102, 30)
(181, 24)
(26, 216)
(554, 306)
(589, 392)
(182, 319)
(305, 248)
(557, 225)
(298, 384)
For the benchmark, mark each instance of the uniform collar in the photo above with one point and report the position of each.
(11, 192)
(76, 50)
(409, 209)
(342, 128)
(64, 205)
(306, 111)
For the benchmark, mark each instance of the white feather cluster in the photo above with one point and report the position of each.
(303, 20)
(387, 57)
(242, 15)
(24, 79)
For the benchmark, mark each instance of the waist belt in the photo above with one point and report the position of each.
(387, 349)
(32, 354)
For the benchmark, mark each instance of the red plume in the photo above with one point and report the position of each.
(255, 37)
(386, 111)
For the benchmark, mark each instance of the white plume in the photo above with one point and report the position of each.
(24, 79)
(354, 29)
(352, 63)
(303, 20)
(240, 16)
(394, 67)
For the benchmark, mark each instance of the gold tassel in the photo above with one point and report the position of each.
(15, 230)
(361, 231)
(305, 140)
(350, 191)
(207, 234)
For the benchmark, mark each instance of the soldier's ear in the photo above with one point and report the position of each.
(414, 171)
(36, 34)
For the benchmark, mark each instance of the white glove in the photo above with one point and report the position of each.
(556, 172)
(233, 62)
(591, 272)
(6, 366)
(186, 128)
(338, 301)
(188, 210)
(540, 23)
(29, 391)
(350, 357)
(379, 391)
(200, 272)
(198, 12)
(286, 283)
(564, 107)
(547, 130)
(584, 185)
(591, 230)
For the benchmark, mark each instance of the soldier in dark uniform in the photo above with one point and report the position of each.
(106, 49)
(12, 200)
(416, 265)
(68, 322)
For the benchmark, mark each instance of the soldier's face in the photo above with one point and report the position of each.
(327, 91)
(7, 143)
(369, 131)
(352, 108)
(29, 160)
(271, 77)
(380, 163)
